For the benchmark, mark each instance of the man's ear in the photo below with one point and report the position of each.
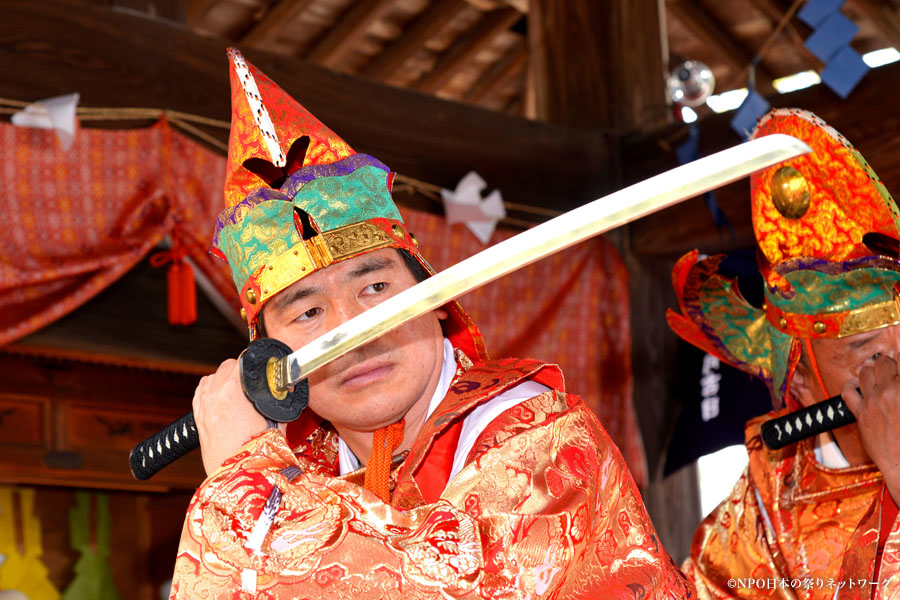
(801, 390)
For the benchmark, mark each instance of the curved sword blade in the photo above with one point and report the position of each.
(594, 218)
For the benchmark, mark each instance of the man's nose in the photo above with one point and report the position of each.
(894, 332)
(344, 311)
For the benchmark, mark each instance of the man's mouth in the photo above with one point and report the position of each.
(365, 373)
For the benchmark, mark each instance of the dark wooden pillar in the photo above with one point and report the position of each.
(600, 65)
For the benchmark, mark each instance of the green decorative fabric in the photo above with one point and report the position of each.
(717, 318)
(264, 232)
(815, 292)
(93, 577)
(338, 201)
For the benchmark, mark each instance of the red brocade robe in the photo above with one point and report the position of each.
(793, 528)
(544, 507)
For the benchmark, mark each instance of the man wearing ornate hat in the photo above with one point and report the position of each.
(423, 468)
(817, 519)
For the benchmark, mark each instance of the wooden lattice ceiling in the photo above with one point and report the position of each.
(476, 51)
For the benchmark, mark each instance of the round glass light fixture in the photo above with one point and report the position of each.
(690, 83)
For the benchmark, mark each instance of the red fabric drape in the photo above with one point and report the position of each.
(76, 221)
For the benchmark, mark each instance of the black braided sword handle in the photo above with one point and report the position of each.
(806, 422)
(178, 438)
(164, 447)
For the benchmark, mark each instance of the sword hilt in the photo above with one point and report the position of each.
(257, 364)
(805, 423)
(164, 447)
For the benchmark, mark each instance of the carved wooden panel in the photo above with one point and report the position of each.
(22, 420)
(96, 427)
(71, 423)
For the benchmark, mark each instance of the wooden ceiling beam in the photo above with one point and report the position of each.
(345, 35)
(598, 64)
(486, 5)
(698, 21)
(465, 49)
(274, 20)
(795, 30)
(883, 18)
(509, 66)
(428, 24)
(197, 11)
(116, 59)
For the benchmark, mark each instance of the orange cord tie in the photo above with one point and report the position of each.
(815, 367)
(378, 470)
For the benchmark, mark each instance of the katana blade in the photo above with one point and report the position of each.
(272, 376)
(599, 216)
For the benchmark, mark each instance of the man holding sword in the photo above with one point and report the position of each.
(423, 468)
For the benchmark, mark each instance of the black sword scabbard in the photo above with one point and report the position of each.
(805, 423)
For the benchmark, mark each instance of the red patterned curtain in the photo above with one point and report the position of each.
(79, 220)
(76, 221)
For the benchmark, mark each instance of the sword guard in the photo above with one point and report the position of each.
(256, 363)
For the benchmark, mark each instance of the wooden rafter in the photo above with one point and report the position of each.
(274, 20)
(197, 10)
(795, 30)
(486, 5)
(351, 26)
(519, 5)
(432, 20)
(695, 18)
(509, 66)
(465, 49)
(883, 18)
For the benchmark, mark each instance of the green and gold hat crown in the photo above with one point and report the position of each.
(827, 232)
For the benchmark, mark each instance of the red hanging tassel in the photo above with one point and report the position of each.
(182, 291)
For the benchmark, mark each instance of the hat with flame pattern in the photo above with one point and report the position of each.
(828, 234)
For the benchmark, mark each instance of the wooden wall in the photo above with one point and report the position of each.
(72, 424)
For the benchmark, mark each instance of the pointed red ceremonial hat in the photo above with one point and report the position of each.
(299, 199)
(265, 123)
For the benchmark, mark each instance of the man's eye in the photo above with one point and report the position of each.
(309, 314)
(376, 287)
(876, 355)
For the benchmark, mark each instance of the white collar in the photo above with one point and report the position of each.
(828, 453)
(348, 461)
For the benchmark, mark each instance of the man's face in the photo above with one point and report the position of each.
(840, 360)
(377, 384)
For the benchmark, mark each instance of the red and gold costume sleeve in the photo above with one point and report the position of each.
(545, 507)
(732, 550)
(791, 528)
